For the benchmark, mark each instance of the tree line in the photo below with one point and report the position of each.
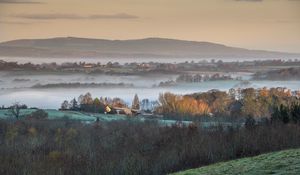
(249, 102)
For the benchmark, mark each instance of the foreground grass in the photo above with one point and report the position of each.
(283, 162)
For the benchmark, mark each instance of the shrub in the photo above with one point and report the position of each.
(38, 115)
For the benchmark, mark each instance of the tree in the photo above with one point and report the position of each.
(251, 105)
(86, 99)
(65, 105)
(295, 112)
(135, 102)
(190, 106)
(203, 108)
(218, 101)
(167, 103)
(286, 114)
(98, 106)
(74, 104)
(264, 92)
(221, 102)
(15, 110)
(117, 102)
(281, 114)
(96, 101)
(86, 102)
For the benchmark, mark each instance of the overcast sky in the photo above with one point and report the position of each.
(253, 24)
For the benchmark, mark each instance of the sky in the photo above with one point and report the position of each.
(253, 24)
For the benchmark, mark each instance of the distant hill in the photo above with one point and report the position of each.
(283, 162)
(140, 48)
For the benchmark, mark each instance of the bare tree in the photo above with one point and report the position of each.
(85, 99)
(15, 110)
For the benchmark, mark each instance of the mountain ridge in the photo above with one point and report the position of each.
(146, 47)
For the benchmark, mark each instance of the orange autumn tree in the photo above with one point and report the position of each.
(190, 106)
(203, 107)
(182, 105)
(264, 92)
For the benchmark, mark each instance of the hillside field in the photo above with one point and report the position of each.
(282, 162)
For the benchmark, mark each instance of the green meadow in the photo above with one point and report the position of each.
(282, 162)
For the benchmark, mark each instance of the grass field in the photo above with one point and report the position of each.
(75, 115)
(52, 114)
(90, 117)
(283, 162)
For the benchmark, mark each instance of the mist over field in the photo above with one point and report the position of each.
(19, 87)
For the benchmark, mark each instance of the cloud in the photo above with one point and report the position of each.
(54, 16)
(19, 2)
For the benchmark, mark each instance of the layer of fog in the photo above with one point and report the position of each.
(9, 80)
(16, 87)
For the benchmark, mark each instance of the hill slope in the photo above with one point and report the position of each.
(283, 162)
(149, 47)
